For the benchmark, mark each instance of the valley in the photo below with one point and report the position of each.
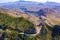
(29, 21)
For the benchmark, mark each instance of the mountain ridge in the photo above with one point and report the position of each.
(46, 18)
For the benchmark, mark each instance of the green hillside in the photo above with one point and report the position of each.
(12, 26)
(19, 28)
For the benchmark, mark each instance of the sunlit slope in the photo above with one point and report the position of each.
(52, 16)
(19, 23)
(30, 17)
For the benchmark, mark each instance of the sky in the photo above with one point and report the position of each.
(58, 1)
(3, 1)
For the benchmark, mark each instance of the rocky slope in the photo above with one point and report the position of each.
(50, 11)
(43, 16)
(51, 16)
(20, 14)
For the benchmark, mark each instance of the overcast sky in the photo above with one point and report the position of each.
(3, 1)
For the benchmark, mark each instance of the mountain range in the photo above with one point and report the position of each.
(38, 13)
(48, 10)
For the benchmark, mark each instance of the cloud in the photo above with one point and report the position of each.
(37, 0)
(58, 1)
(3, 1)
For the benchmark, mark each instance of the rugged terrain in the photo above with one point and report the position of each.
(45, 18)
(50, 10)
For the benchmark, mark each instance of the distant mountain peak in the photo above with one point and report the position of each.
(51, 2)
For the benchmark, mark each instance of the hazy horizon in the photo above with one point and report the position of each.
(5, 1)
(58, 1)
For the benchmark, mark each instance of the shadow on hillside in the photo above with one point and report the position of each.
(56, 31)
(30, 31)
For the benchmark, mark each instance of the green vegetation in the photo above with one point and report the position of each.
(11, 26)
(13, 35)
(7, 21)
(24, 37)
(49, 33)
(45, 33)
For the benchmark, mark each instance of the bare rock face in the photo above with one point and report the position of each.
(52, 16)
(49, 16)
